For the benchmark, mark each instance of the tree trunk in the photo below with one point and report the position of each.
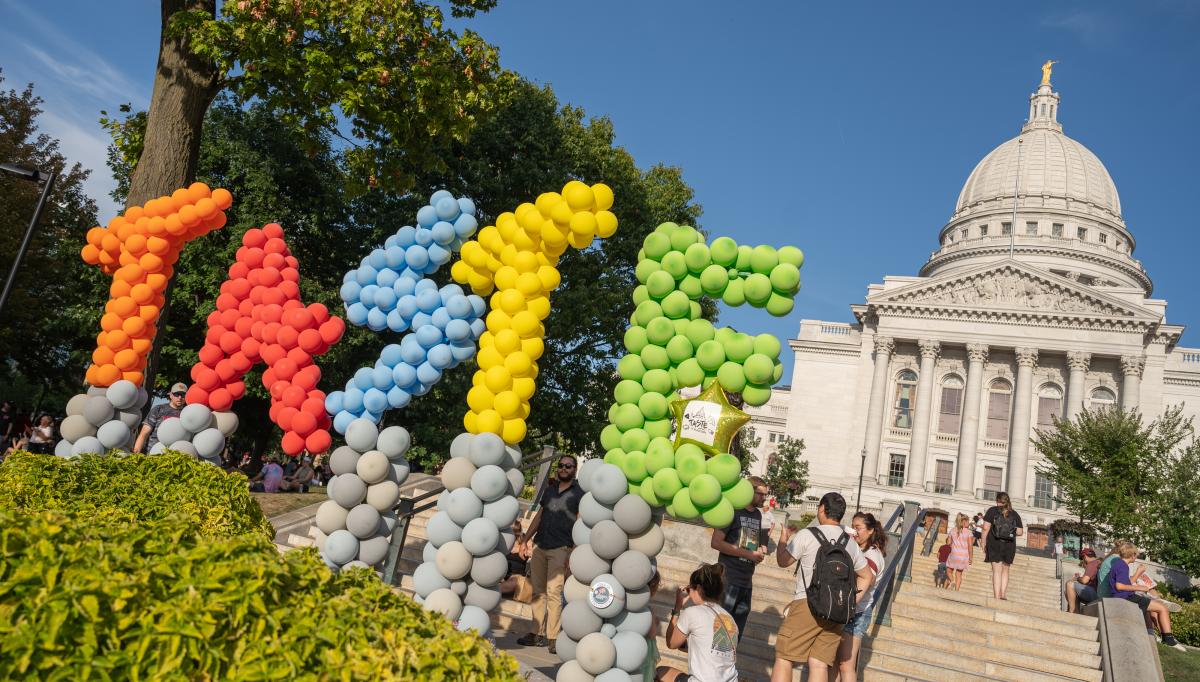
(184, 87)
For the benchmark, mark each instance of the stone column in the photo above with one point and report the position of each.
(884, 345)
(1018, 435)
(1078, 362)
(1131, 389)
(968, 437)
(918, 451)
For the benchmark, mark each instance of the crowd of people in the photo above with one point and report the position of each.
(22, 429)
(996, 530)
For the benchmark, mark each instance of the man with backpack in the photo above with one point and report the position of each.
(831, 577)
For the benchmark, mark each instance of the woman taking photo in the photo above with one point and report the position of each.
(708, 630)
(41, 440)
(1001, 527)
(962, 552)
(872, 540)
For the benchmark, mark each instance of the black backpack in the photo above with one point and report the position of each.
(1005, 527)
(832, 590)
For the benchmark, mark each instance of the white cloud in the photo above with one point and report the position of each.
(87, 145)
(1090, 27)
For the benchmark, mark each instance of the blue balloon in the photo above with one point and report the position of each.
(366, 295)
(426, 216)
(350, 276)
(378, 259)
(424, 237)
(375, 400)
(416, 257)
(349, 291)
(389, 242)
(403, 286)
(425, 284)
(459, 308)
(478, 327)
(376, 320)
(387, 277)
(398, 398)
(407, 306)
(429, 336)
(385, 298)
(427, 374)
(365, 275)
(362, 379)
(443, 232)
(446, 207)
(356, 314)
(439, 255)
(462, 351)
(333, 402)
(419, 389)
(404, 375)
(440, 357)
(440, 318)
(438, 195)
(458, 330)
(396, 322)
(466, 205)
(406, 236)
(413, 354)
(465, 226)
(373, 416)
(342, 420)
(450, 291)
(353, 400)
(478, 305)
(395, 254)
(381, 378)
(428, 300)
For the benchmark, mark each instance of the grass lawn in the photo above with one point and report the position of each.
(274, 504)
(1178, 666)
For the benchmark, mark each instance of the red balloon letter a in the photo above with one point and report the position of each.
(260, 316)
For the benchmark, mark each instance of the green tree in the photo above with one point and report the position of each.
(743, 447)
(1128, 479)
(787, 473)
(43, 342)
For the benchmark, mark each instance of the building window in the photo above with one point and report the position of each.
(771, 437)
(943, 482)
(1103, 238)
(950, 410)
(992, 477)
(896, 471)
(1049, 406)
(1102, 397)
(1081, 232)
(1043, 109)
(983, 230)
(1056, 230)
(1005, 228)
(999, 404)
(906, 395)
(1031, 229)
(1043, 492)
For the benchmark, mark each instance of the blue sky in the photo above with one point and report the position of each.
(845, 129)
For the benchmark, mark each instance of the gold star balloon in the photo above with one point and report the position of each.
(708, 420)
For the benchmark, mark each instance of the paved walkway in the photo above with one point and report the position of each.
(537, 664)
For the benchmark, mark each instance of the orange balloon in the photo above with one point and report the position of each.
(107, 375)
(133, 213)
(117, 339)
(124, 231)
(149, 313)
(134, 326)
(110, 242)
(154, 207)
(150, 262)
(175, 225)
(136, 244)
(107, 261)
(126, 258)
(143, 346)
(95, 236)
(216, 222)
(110, 321)
(198, 191)
(126, 359)
(141, 293)
(131, 273)
(157, 245)
(135, 376)
(222, 198)
(157, 280)
(103, 355)
(189, 217)
(179, 199)
(160, 226)
(124, 306)
(90, 254)
(118, 289)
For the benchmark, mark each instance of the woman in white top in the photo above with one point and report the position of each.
(872, 540)
(708, 630)
(42, 439)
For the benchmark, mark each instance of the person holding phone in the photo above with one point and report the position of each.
(742, 546)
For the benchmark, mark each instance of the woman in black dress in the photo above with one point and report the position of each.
(1001, 527)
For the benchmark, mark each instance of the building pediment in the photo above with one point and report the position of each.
(1015, 291)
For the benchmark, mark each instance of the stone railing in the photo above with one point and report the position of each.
(945, 439)
(995, 445)
(897, 434)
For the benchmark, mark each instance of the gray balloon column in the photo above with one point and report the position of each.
(357, 520)
(470, 536)
(607, 615)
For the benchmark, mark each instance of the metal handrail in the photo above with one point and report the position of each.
(885, 586)
(931, 536)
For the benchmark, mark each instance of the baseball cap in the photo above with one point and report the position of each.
(179, 388)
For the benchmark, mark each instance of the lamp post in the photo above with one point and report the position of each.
(33, 175)
(862, 465)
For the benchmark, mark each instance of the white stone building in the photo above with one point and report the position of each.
(1020, 314)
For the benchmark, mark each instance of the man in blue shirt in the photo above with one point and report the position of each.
(1121, 586)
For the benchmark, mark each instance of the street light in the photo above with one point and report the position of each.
(33, 175)
(861, 469)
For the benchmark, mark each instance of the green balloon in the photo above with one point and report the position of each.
(768, 345)
(699, 331)
(635, 439)
(657, 381)
(679, 349)
(739, 347)
(745, 253)
(660, 284)
(615, 457)
(610, 437)
(756, 394)
(674, 263)
(646, 492)
(725, 334)
(777, 372)
(690, 286)
(785, 277)
(659, 331)
(780, 305)
(705, 491)
(725, 468)
(759, 368)
(655, 357)
(740, 495)
(792, 256)
(708, 380)
(634, 466)
(640, 296)
(635, 339)
(681, 326)
(724, 251)
(667, 483)
(629, 417)
(666, 229)
(689, 372)
(653, 406)
(758, 289)
(627, 391)
(659, 458)
(688, 465)
(710, 355)
(631, 367)
(612, 414)
(683, 507)
(688, 450)
(641, 255)
(695, 312)
(645, 268)
(720, 515)
(763, 259)
(713, 280)
(735, 293)
(646, 311)
(731, 376)
(656, 245)
(683, 237)
(635, 489)
(659, 428)
(697, 257)
(676, 305)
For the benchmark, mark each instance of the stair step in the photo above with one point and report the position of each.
(1000, 605)
(998, 650)
(981, 617)
(1059, 647)
(899, 657)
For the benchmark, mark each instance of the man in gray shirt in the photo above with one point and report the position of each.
(148, 436)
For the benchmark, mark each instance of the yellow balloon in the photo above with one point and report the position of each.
(470, 422)
(603, 195)
(489, 421)
(512, 301)
(490, 239)
(507, 341)
(550, 277)
(498, 379)
(480, 284)
(553, 235)
(518, 364)
(546, 201)
(606, 224)
(584, 224)
(508, 254)
(561, 214)
(578, 195)
(523, 241)
(480, 398)
(460, 271)
(533, 347)
(579, 241)
(556, 250)
(524, 387)
(529, 284)
(477, 378)
(489, 358)
(539, 305)
(530, 218)
(506, 277)
(498, 320)
(525, 323)
(526, 261)
(525, 410)
(513, 431)
(507, 403)
(487, 340)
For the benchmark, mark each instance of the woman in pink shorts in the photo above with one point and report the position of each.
(961, 549)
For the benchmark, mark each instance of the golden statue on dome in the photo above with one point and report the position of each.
(1046, 71)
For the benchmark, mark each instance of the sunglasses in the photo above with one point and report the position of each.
(565, 465)
(178, 395)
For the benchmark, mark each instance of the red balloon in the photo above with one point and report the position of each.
(292, 262)
(298, 356)
(227, 302)
(196, 396)
(239, 269)
(240, 287)
(254, 237)
(228, 318)
(242, 326)
(285, 368)
(289, 289)
(214, 318)
(276, 244)
(304, 423)
(287, 337)
(293, 396)
(213, 335)
(286, 414)
(318, 441)
(278, 386)
(290, 274)
(272, 231)
(319, 312)
(256, 295)
(206, 378)
(332, 330)
(325, 422)
(314, 406)
(275, 295)
(251, 348)
(240, 362)
(269, 277)
(306, 380)
(210, 354)
(298, 317)
(272, 353)
(270, 332)
(220, 400)
(271, 313)
(246, 307)
(274, 260)
(237, 389)
(256, 329)
(269, 379)
(292, 443)
(197, 370)
(310, 341)
(253, 257)
(230, 341)
(273, 412)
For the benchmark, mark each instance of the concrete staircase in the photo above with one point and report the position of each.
(935, 635)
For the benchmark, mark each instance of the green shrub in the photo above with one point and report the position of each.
(1186, 623)
(133, 488)
(113, 598)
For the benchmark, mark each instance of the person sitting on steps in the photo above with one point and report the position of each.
(1122, 586)
(1001, 528)
(708, 631)
(1082, 590)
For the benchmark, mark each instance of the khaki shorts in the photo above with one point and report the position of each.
(803, 636)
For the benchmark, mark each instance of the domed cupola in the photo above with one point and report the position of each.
(1067, 213)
